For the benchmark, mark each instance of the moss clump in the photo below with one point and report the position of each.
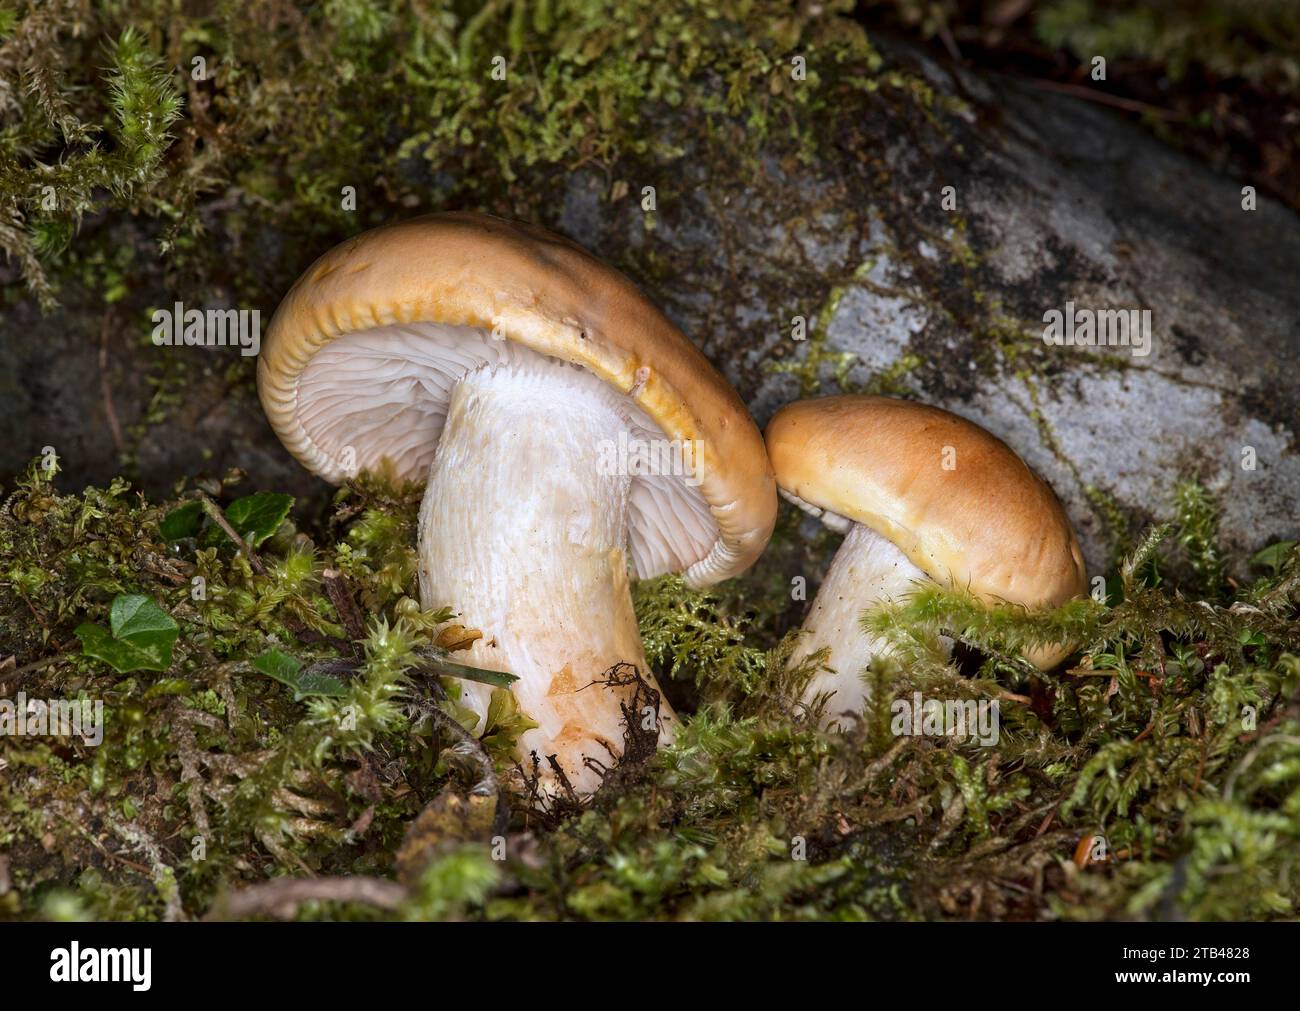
(372, 111)
(1171, 739)
(276, 132)
(1252, 42)
(61, 159)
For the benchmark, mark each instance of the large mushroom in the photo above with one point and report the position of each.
(920, 494)
(571, 438)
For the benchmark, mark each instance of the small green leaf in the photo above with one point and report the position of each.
(134, 615)
(167, 686)
(257, 517)
(288, 671)
(142, 635)
(496, 678)
(325, 685)
(182, 522)
(280, 667)
(1272, 557)
(504, 722)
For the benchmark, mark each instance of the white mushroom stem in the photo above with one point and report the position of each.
(524, 534)
(868, 570)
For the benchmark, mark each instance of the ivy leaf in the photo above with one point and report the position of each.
(182, 522)
(257, 517)
(134, 615)
(141, 638)
(254, 517)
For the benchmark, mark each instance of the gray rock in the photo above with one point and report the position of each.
(1057, 200)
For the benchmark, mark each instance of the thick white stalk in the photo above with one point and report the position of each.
(867, 570)
(522, 532)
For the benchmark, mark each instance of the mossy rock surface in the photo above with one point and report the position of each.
(833, 211)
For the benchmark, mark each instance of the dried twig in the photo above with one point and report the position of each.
(27, 668)
(219, 518)
(305, 634)
(187, 751)
(105, 384)
(282, 897)
(336, 587)
(333, 668)
(1105, 98)
(160, 871)
(949, 42)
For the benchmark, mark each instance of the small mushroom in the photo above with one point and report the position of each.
(570, 438)
(920, 494)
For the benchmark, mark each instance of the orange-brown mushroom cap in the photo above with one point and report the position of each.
(954, 498)
(533, 288)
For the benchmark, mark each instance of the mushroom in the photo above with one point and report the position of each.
(920, 494)
(570, 438)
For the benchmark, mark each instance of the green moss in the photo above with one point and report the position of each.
(1229, 40)
(1172, 736)
(413, 107)
(810, 370)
